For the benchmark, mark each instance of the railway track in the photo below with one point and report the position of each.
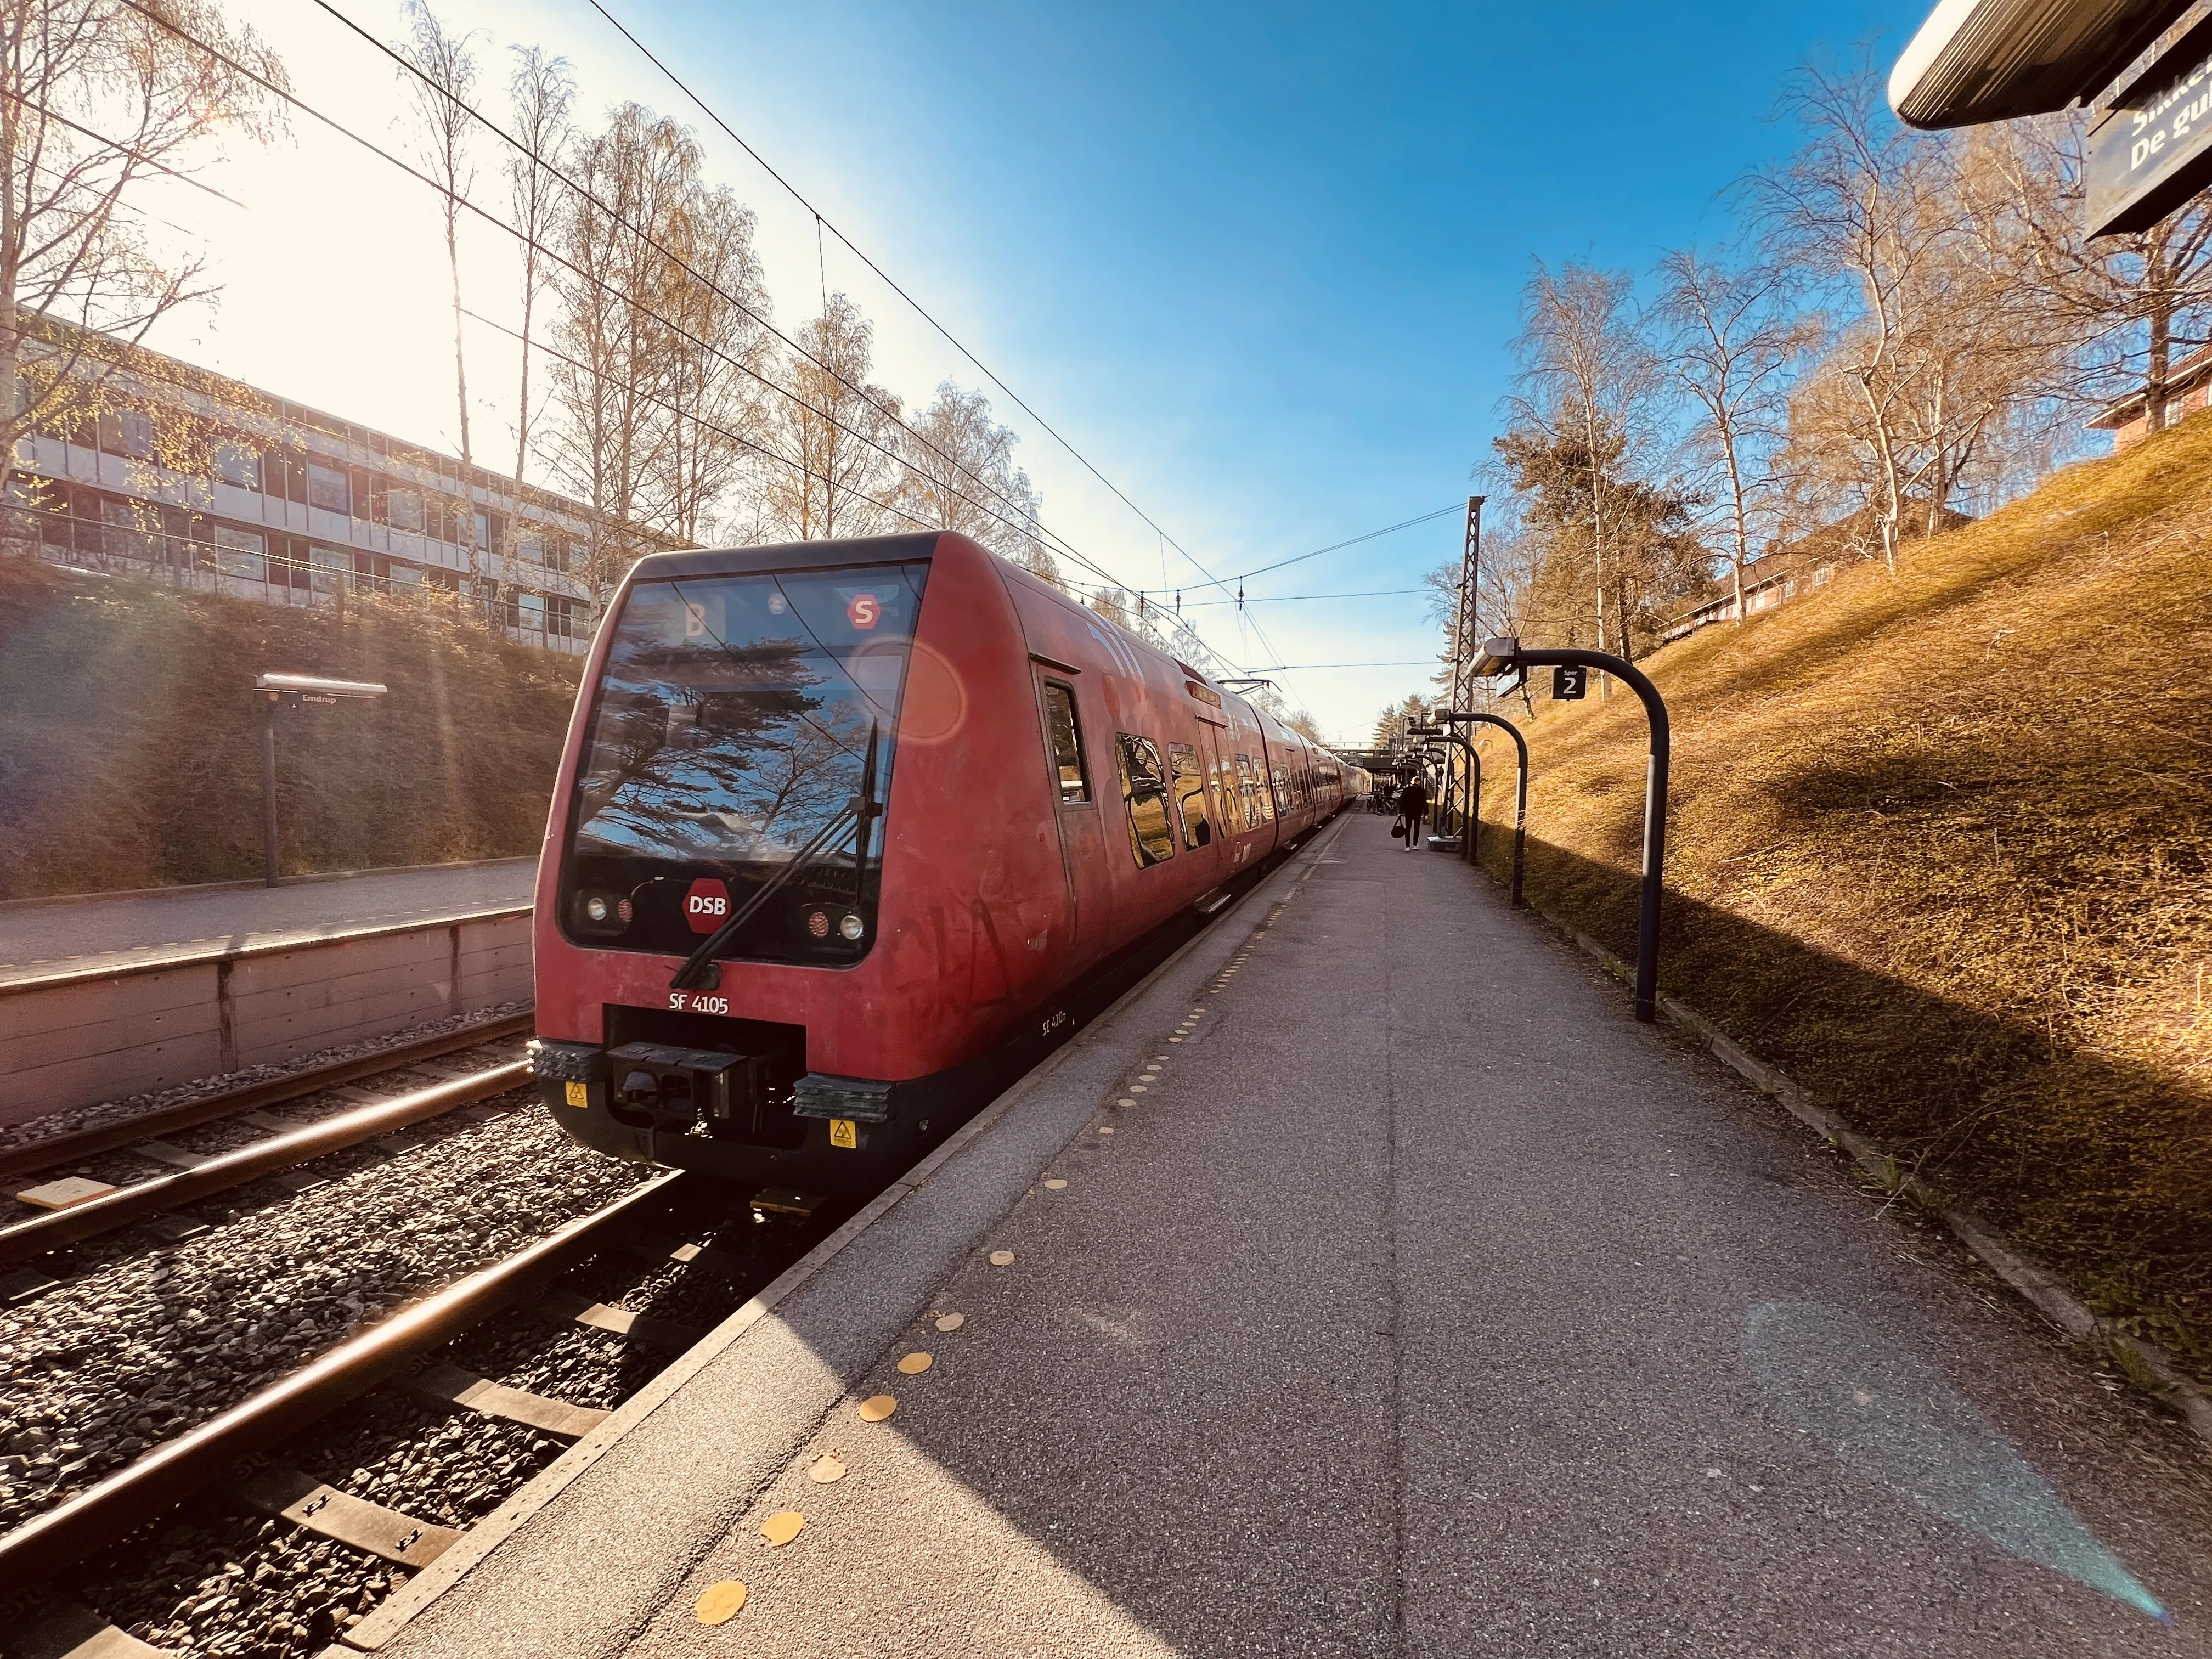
(81, 1206)
(270, 1469)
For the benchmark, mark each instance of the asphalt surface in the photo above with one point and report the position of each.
(1419, 1304)
(118, 931)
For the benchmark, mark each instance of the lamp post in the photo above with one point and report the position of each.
(1471, 801)
(1507, 656)
(291, 691)
(1520, 789)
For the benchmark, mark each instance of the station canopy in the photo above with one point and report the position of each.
(1997, 60)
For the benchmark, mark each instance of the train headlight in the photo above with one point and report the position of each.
(852, 927)
(596, 907)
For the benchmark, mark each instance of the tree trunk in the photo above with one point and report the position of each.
(2159, 297)
(468, 527)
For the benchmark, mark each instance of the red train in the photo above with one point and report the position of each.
(848, 833)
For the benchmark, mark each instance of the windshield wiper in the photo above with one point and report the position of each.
(868, 812)
(698, 969)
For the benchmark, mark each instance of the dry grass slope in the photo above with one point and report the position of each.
(1941, 849)
(130, 742)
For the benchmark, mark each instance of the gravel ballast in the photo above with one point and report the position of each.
(136, 1352)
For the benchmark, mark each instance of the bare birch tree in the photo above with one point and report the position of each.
(2128, 304)
(834, 434)
(1734, 337)
(960, 474)
(96, 100)
(540, 93)
(445, 82)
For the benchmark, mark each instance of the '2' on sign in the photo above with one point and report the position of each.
(864, 611)
(706, 906)
(1569, 682)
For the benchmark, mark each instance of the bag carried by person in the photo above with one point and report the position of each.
(1397, 832)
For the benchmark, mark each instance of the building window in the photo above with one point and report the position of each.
(126, 431)
(327, 489)
(240, 467)
(1145, 795)
(1190, 795)
(1065, 734)
(405, 509)
(240, 553)
(530, 549)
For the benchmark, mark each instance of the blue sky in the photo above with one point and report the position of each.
(1259, 264)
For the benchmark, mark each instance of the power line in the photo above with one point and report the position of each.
(1023, 527)
(676, 260)
(1386, 530)
(1281, 667)
(981, 367)
(59, 119)
(1292, 598)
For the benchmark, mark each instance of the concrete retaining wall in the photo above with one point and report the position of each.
(79, 1038)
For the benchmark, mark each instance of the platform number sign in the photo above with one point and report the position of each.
(1569, 682)
(706, 906)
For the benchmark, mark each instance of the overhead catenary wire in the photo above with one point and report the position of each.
(1354, 541)
(1035, 527)
(707, 110)
(59, 119)
(478, 211)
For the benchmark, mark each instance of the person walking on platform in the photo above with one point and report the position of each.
(1412, 808)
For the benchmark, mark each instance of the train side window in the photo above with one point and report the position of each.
(1145, 792)
(1190, 795)
(1066, 736)
(1225, 806)
(1259, 804)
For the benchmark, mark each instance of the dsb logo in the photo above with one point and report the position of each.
(706, 906)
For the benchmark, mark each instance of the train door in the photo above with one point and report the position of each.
(1078, 787)
(1221, 792)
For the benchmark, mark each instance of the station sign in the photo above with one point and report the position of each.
(706, 906)
(1569, 682)
(2152, 150)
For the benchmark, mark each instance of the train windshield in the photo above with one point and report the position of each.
(742, 736)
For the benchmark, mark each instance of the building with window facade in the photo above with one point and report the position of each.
(287, 505)
(2188, 389)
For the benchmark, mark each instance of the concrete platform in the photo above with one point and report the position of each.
(1419, 1304)
(42, 939)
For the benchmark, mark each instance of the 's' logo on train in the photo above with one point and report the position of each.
(706, 906)
(864, 611)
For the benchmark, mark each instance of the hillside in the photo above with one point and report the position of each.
(129, 742)
(1942, 850)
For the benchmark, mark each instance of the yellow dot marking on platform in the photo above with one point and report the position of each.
(1174, 1039)
(953, 1322)
(1002, 1258)
(1136, 1089)
(1055, 1183)
(916, 1364)
(826, 1469)
(877, 1407)
(1105, 1128)
(720, 1603)
(1125, 1101)
(782, 1527)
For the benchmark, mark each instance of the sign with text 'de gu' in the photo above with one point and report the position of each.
(2152, 150)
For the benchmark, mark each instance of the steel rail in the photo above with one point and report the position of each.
(251, 1097)
(170, 1473)
(227, 1169)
